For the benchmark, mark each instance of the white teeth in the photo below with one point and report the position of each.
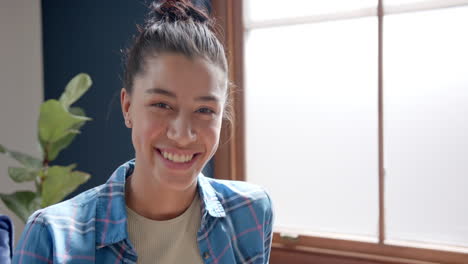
(177, 158)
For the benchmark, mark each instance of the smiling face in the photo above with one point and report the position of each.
(175, 112)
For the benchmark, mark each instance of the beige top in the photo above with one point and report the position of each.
(171, 241)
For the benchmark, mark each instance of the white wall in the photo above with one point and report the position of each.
(21, 87)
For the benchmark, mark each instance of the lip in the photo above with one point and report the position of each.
(175, 165)
(177, 151)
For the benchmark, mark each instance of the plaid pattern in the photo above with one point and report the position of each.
(236, 225)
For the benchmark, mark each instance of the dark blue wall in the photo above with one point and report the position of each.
(88, 36)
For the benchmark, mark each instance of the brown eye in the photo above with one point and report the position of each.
(161, 105)
(205, 111)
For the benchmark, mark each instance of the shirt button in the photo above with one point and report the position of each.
(206, 255)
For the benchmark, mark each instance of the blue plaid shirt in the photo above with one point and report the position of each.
(236, 225)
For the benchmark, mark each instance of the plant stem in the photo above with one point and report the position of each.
(45, 166)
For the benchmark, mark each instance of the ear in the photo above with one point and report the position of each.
(125, 103)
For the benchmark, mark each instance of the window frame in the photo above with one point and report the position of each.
(229, 161)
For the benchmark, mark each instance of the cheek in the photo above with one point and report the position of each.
(211, 136)
(147, 128)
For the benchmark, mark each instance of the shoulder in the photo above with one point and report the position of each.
(248, 213)
(235, 195)
(229, 189)
(36, 242)
(59, 222)
(82, 206)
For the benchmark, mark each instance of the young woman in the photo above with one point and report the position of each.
(159, 208)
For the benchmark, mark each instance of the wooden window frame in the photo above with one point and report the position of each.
(229, 161)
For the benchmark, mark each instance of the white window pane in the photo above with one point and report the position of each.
(423, 2)
(404, 2)
(398, 6)
(257, 10)
(426, 126)
(311, 124)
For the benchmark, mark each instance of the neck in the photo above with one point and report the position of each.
(153, 200)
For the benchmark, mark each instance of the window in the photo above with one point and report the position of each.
(309, 122)
(426, 126)
(354, 115)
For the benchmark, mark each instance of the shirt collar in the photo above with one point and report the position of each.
(111, 214)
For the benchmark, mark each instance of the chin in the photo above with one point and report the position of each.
(178, 181)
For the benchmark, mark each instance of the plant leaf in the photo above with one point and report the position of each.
(61, 181)
(54, 148)
(75, 89)
(22, 174)
(25, 159)
(22, 203)
(35, 204)
(77, 111)
(55, 121)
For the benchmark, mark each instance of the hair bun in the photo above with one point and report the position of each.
(175, 10)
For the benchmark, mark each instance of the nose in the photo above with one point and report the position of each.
(180, 131)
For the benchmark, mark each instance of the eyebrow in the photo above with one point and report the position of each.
(206, 98)
(160, 91)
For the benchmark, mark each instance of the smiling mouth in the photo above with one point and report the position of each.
(177, 158)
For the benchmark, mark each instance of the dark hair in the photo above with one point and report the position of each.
(175, 26)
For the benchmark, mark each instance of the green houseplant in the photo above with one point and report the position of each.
(58, 125)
